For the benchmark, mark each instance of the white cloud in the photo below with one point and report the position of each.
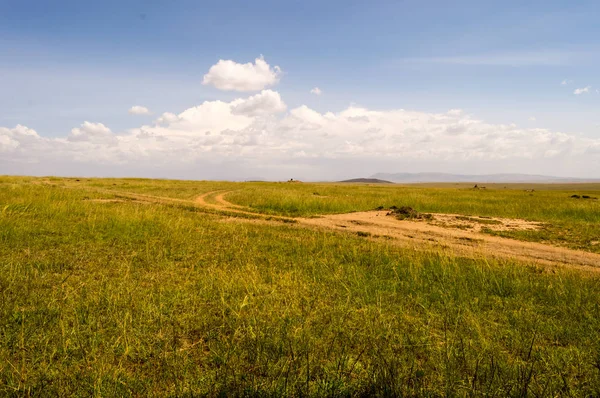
(19, 131)
(167, 117)
(90, 132)
(566, 81)
(252, 134)
(138, 110)
(7, 143)
(532, 119)
(583, 90)
(455, 112)
(231, 76)
(266, 102)
(316, 91)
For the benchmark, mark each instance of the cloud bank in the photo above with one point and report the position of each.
(257, 136)
(258, 133)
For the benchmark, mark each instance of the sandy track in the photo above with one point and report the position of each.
(222, 204)
(424, 235)
(419, 235)
(201, 200)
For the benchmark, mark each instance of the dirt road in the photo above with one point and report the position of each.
(432, 235)
(443, 233)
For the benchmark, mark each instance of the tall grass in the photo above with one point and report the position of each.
(113, 299)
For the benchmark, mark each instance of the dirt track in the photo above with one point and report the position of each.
(420, 235)
(424, 235)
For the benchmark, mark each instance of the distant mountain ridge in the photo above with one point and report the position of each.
(368, 181)
(491, 178)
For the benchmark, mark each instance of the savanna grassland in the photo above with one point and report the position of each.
(129, 287)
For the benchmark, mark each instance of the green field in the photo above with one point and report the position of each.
(165, 298)
(569, 222)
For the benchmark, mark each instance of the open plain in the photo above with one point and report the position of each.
(113, 287)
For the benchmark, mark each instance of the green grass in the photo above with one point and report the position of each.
(118, 299)
(573, 223)
(300, 200)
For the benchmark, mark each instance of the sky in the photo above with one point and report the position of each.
(310, 90)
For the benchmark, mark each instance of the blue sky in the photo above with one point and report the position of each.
(64, 63)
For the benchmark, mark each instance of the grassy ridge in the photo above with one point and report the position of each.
(112, 299)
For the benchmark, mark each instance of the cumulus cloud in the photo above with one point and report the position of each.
(166, 118)
(13, 139)
(258, 133)
(316, 91)
(90, 132)
(584, 90)
(231, 76)
(266, 102)
(7, 143)
(138, 110)
(566, 81)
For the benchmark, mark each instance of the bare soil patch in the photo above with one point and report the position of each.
(473, 223)
(477, 223)
(468, 242)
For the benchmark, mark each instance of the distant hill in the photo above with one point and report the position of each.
(491, 178)
(368, 181)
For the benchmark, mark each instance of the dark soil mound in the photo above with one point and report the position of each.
(408, 213)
